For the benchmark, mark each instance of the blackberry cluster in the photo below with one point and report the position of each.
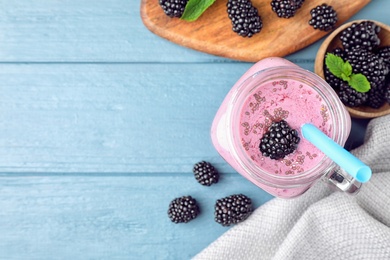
(245, 18)
(350, 96)
(323, 17)
(279, 141)
(384, 53)
(173, 8)
(361, 48)
(232, 209)
(205, 173)
(286, 8)
(387, 90)
(361, 35)
(183, 209)
(368, 63)
(374, 68)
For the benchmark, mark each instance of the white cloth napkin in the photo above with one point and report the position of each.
(321, 224)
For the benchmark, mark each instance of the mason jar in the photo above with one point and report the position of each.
(275, 89)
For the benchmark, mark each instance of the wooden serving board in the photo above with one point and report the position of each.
(212, 32)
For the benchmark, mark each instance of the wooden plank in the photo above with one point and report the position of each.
(110, 118)
(106, 217)
(93, 31)
(90, 31)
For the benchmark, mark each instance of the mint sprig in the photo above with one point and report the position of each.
(343, 70)
(195, 8)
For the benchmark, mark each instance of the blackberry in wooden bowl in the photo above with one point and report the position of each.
(358, 48)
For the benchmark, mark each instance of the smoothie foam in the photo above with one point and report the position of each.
(296, 103)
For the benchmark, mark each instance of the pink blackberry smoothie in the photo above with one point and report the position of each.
(288, 100)
(275, 89)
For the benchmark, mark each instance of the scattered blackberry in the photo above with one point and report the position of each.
(205, 173)
(361, 35)
(279, 141)
(232, 209)
(350, 97)
(245, 18)
(183, 209)
(324, 17)
(173, 8)
(374, 68)
(286, 8)
(384, 53)
(332, 80)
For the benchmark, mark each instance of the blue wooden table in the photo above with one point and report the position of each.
(101, 122)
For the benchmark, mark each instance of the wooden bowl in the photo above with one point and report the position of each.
(332, 42)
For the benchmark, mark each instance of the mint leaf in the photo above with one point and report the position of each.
(345, 77)
(335, 64)
(359, 82)
(347, 68)
(195, 8)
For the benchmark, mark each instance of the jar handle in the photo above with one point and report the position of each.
(340, 180)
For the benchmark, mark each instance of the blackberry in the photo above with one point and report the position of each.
(232, 209)
(173, 8)
(384, 53)
(332, 80)
(387, 90)
(376, 99)
(279, 141)
(286, 8)
(324, 17)
(361, 35)
(350, 97)
(367, 63)
(245, 18)
(374, 68)
(338, 52)
(205, 173)
(183, 209)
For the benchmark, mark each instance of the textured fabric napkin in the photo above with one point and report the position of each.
(321, 224)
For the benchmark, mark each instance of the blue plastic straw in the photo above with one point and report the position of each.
(352, 165)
